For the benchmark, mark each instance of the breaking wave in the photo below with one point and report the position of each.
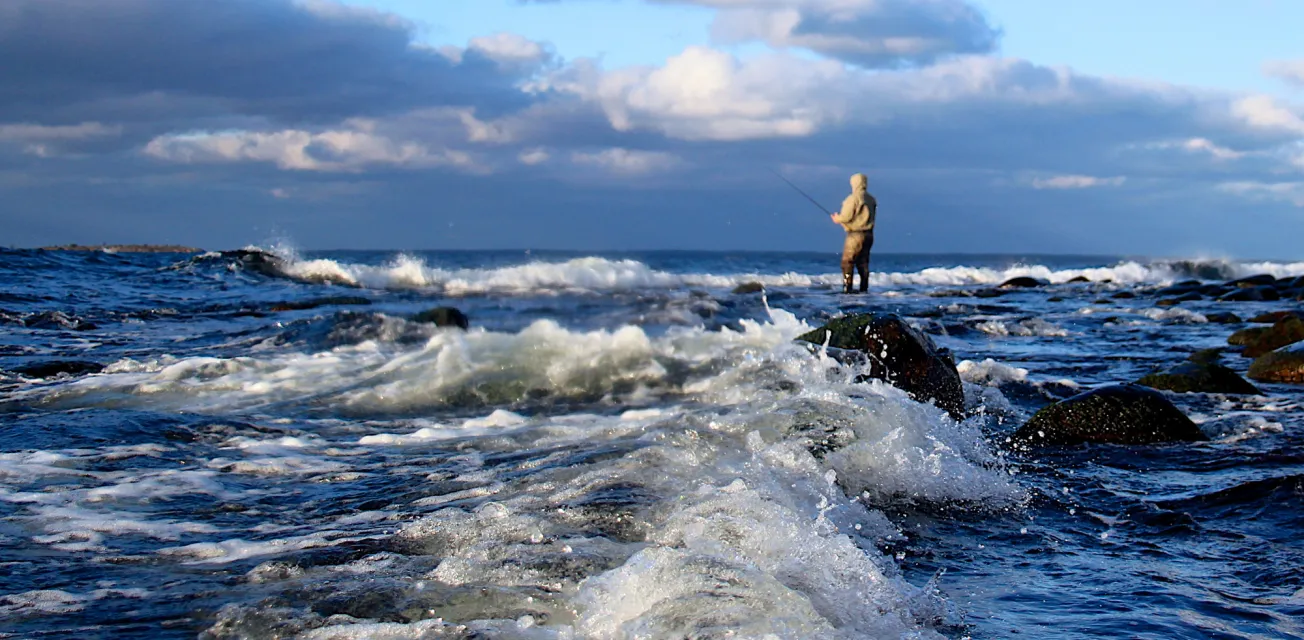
(596, 274)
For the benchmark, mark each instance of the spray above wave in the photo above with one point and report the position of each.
(599, 274)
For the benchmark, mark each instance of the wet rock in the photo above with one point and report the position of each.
(257, 262)
(1181, 288)
(1284, 332)
(1283, 365)
(333, 301)
(899, 355)
(1290, 284)
(58, 367)
(1246, 337)
(1255, 294)
(1201, 374)
(1223, 317)
(1116, 414)
(749, 287)
(1253, 282)
(1123, 295)
(988, 293)
(56, 320)
(443, 317)
(1187, 297)
(1103, 301)
(1273, 317)
(1024, 282)
(1055, 299)
(1077, 279)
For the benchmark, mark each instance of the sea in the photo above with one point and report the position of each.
(619, 446)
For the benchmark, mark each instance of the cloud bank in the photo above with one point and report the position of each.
(297, 112)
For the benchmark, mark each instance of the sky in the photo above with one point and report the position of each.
(1161, 128)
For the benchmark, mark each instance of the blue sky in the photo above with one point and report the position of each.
(1161, 127)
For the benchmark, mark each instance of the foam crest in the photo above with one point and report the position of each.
(1030, 327)
(598, 274)
(990, 372)
(453, 368)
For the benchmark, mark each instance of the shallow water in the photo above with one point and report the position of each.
(621, 446)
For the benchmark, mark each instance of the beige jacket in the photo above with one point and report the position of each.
(859, 210)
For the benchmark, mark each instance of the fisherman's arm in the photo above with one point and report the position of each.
(848, 210)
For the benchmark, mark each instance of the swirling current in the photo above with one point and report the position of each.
(268, 444)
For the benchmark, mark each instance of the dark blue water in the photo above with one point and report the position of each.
(617, 448)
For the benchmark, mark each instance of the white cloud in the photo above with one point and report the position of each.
(533, 156)
(1291, 192)
(1266, 113)
(704, 94)
(1076, 182)
(330, 150)
(627, 161)
(509, 48)
(1289, 71)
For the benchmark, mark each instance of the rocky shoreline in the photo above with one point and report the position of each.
(125, 248)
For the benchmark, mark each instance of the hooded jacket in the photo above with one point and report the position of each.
(859, 210)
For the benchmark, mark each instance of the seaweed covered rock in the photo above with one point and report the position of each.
(1223, 317)
(1257, 343)
(1283, 365)
(1116, 414)
(443, 317)
(1201, 374)
(899, 355)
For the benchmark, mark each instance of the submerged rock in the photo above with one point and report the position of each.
(333, 301)
(1201, 374)
(443, 317)
(1283, 365)
(1223, 317)
(57, 320)
(1273, 317)
(1117, 414)
(899, 355)
(58, 367)
(1024, 282)
(1264, 340)
(1186, 297)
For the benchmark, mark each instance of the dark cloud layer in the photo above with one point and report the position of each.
(222, 123)
(69, 61)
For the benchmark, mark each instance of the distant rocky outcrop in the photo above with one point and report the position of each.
(126, 248)
(1116, 414)
(899, 355)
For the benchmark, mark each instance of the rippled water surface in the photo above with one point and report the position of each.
(620, 446)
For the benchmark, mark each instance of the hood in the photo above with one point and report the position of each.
(859, 182)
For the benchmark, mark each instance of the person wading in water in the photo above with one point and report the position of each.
(859, 211)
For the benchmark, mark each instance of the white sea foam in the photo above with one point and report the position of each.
(1030, 327)
(990, 372)
(46, 602)
(603, 274)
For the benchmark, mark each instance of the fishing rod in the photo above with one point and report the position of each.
(812, 200)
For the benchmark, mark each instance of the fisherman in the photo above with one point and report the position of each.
(859, 211)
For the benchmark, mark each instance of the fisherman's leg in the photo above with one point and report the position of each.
(850, 249)
(862, 261)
